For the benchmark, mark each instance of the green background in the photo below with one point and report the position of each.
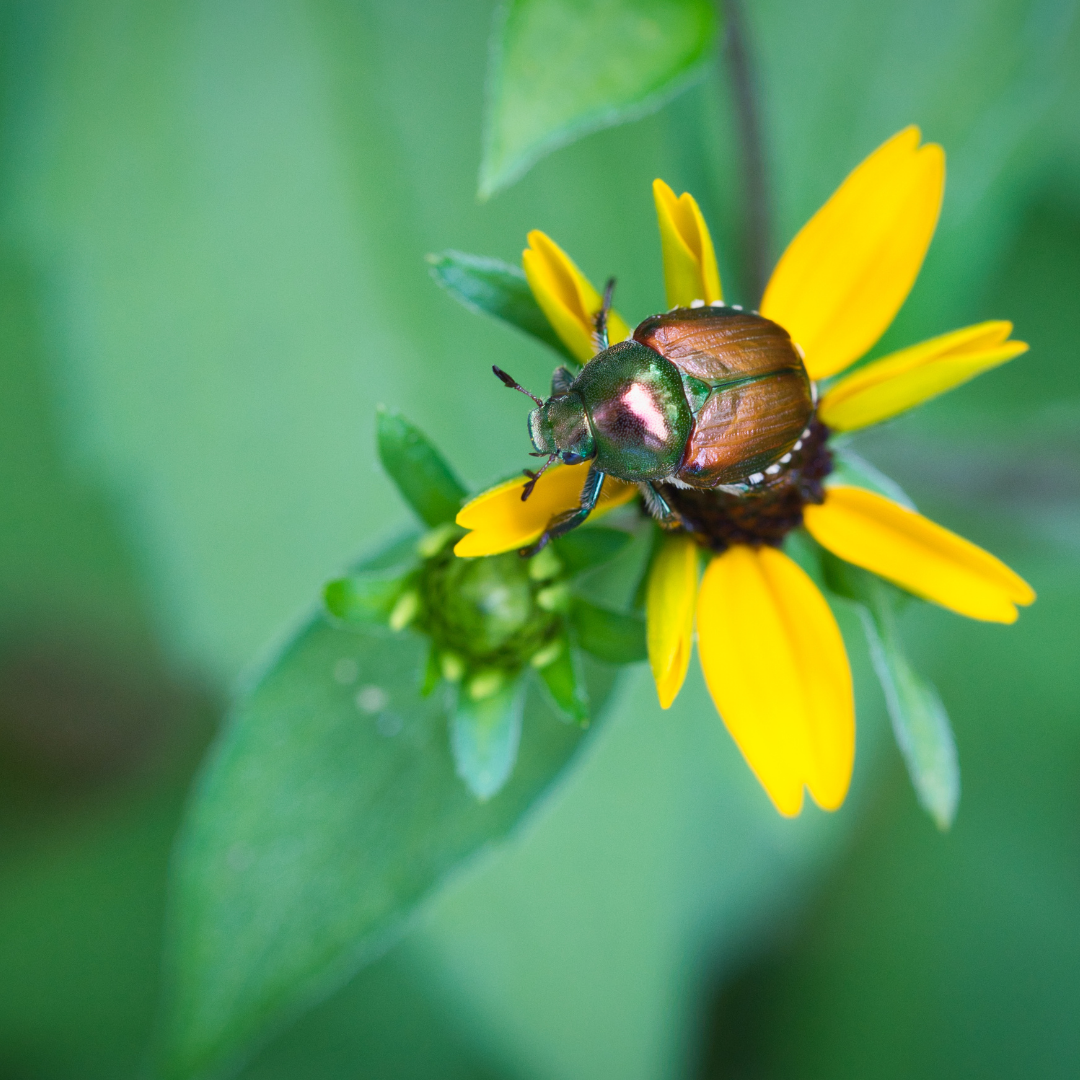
(213, 218)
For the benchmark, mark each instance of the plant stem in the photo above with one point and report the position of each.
(756, 225)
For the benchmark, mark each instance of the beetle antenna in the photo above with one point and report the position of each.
(508, 381)
(534, 476)
(601, 320)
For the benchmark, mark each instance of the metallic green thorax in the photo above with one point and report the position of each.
(627, 408)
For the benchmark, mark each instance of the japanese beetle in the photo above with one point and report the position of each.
(701, 397)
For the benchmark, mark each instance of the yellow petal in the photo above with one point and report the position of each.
(915, 553)
(845, 275)
(777, 670)
(906, 378)
(566, 297)
(669, 610)
(502, 522)
(690, 271)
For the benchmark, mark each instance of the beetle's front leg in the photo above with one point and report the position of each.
(571, 519)
(561, 379)
(660, 508)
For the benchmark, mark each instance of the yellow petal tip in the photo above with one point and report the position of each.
(786, 805)
(690, 268)
(670, 599)
(917, 554)
(776, 667)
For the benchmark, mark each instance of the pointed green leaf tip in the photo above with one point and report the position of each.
(919, 720)
(495, 288)
(422, 476)
(563, 68)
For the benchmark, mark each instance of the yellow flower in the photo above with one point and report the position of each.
(500, 521)
(771, 651)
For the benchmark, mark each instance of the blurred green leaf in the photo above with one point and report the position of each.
(584, 549)
(329, 808)
(422, 476)
(566, 684)
(390, 1021)
(918, 716)
(492, 287)
(563, 68)
(612, 636)
(366, 596)
(485, 736)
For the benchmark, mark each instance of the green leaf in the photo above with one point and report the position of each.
(493, 287)
(611, 636)
(566, 684)
(484, 736)
(366, 596)
(584, 549)
(330, 807)
(919, 720)
(422, 476)
(563, 68)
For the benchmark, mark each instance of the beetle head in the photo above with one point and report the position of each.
(560, 426)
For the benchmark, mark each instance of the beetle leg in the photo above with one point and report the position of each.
(600, 337)
(561, 380)
(659, 507)
(571, 519)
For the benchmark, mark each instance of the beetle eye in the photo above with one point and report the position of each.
(570, 458)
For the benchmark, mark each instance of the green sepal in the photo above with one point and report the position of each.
(919, 720)
(612, 636)
(493, 287)
(422, 476)
(484, 737)
(583, 549)
(365, 597)
(565, 683)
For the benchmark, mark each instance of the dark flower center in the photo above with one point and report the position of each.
(767, 511)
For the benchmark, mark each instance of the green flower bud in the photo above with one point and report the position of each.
(484, 610)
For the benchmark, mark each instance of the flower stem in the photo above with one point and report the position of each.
(756, 225)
